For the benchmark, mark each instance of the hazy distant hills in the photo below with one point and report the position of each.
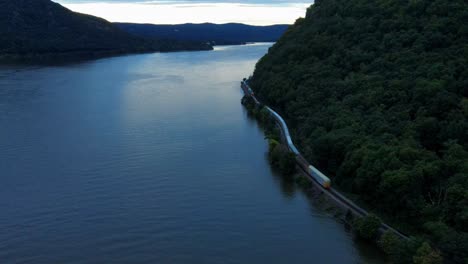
(42, 28)
(37, 27)
(217, 34)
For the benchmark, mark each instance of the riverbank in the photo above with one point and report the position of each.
(366, 225)
(83, 55)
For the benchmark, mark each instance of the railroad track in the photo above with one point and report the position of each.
(303, 164)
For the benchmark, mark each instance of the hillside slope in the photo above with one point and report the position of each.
(219, 34)
(42, 26)
(376, 95)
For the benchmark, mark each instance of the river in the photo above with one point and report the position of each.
(150, 159)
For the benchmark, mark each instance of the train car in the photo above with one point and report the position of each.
(302, 162)
(244, 88)
(314, 172)
(285, 129)
(291, 146)
(319, 177)
(247, 88)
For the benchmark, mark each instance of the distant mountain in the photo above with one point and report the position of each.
(39, 27)
(218, 34)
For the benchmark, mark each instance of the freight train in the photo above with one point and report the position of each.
(313, 172)
(318, 176)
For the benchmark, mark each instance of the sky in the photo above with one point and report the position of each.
(253, 12)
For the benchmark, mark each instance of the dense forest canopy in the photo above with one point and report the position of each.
(34, 27)
(376, 95)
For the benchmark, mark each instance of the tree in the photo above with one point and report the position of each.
(368, 226)
(427, 255)
(281, 158)
(288, 163)
(375, 94)
(389, 243)
(380, 103)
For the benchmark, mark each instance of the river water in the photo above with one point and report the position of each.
(150, 159)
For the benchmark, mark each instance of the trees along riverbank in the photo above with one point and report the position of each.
(399, 251)
(375, 94)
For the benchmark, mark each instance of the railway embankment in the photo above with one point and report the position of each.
(364, 223)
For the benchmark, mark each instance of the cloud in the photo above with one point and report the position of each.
(253, 12)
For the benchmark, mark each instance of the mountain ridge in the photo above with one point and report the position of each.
(32, 28)
(217, 34)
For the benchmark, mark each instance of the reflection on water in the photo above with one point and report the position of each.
(150, 159)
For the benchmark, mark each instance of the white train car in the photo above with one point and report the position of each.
(312, 171)
(319, 177)
(285, 129)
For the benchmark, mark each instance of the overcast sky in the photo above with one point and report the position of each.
(254, 12)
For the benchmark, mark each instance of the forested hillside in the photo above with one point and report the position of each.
(217, 34)
(37, 27)
(376, 95)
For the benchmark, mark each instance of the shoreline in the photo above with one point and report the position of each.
(75, 56)
(334, 195)
(54, 58)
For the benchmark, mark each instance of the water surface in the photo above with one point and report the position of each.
(150, 159)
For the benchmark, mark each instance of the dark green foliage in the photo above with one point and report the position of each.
(263, 117)
(272, 144)
(406, 251)
(427, 255)
(367, 227)
(390, 244)
(449, 240)
(249, 103)
(288, 163)
(281, 158)
(303, 182)
(375, 94)
(278, 154)
(412, 250)
(37, 27)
